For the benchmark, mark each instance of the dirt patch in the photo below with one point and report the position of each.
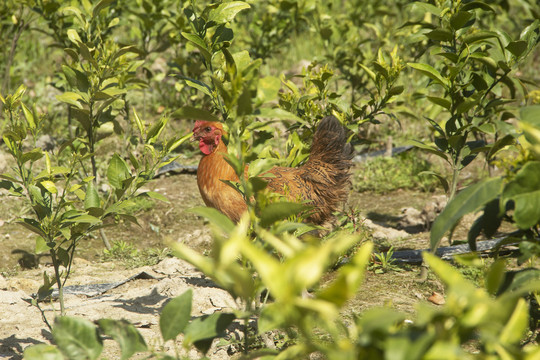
(139, 301)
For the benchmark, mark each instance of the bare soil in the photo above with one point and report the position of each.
(141, 300)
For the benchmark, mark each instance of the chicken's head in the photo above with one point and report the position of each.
(209, 134)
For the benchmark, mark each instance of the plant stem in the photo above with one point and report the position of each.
(105, 239)
(453, 185)
(58, 281)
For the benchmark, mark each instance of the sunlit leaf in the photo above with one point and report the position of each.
(516, 326)
(91, 199)
(77, 338)
(430, 72)
(199, 43)
(280, 211)
(70, 98)
(42, 352)
(73, 35)
(523, 190)
(215, 217)
(125, 334)
(175, 316)
(227, 11)
(117, 172)
(468, 200)
(203, 330)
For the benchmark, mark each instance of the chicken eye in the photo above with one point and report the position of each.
(207, 129)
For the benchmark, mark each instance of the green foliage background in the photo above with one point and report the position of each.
(456, 78)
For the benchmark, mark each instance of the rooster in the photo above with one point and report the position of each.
(322, 181)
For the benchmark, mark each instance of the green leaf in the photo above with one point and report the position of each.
(370, 73)
(445, 103)
(427, 7)
(173, 143)
(199, 85)
(440, 35)
(42, 352)
(531, 115)
(84, 218)
(73, 35)
(495, 276)
(460, 19)
(125, 334)
(175, 316)
(29, 117)
(447, 273)
(479, 36)
(430, 72)
(348, 279)
(70, 98)
(443, 181)
(33, 226)
(41, 245)
(396, 90)
(215, 217)
(83, 117)
(91, 199)
(280, 211)
(32, 155)
(517, 48)
(139, 123)
(466, 105)
(203, 330)
(63, 256)
(190, 112)
(523, 190)
(125, 50)
(500, 144)
(49, 186)
(226, 12)
(155, 195)
(199, 43)
(155, 131)
(468, 200)
(100, 6)
(428, 148)
(477, 5)
(77, 338)
(244, 106)
(517, 325)
(117, 172)
(118, 207)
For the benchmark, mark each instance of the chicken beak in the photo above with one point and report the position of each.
(193, 137)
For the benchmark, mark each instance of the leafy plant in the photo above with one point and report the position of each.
(15, 19)
(66, 208)
(473, 81)
(383, 262)
(81, 339)
(272, 25)
(511, 197)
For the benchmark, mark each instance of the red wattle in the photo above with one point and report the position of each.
(205, 148)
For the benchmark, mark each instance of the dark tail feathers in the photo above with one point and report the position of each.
(328, 168)
(330, 144)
